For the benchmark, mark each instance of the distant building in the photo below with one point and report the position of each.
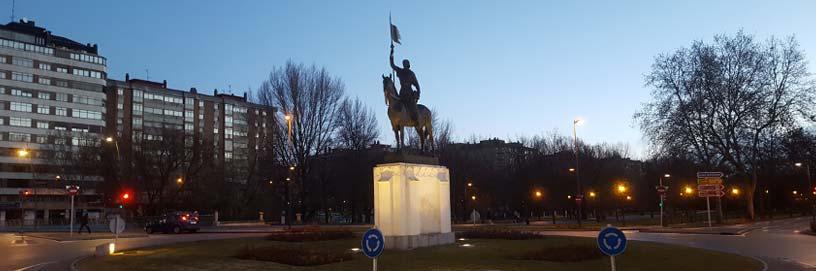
(140, 109)
(49, 85)
(495, 152)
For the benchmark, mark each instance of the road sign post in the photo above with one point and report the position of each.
(372, 245)
(612, 242)
(117, 226)
(710, 184)
(72, 190)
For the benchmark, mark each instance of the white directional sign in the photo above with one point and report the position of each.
(117, 225)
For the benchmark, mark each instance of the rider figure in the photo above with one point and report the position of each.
(407, 78)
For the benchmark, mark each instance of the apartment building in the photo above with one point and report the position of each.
(52, 102)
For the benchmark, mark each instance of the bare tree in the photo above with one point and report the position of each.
(718, 102)
(310, 96)
(357, 125)
(160, 158)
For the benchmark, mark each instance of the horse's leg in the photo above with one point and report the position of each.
(421, 136)
(396, 136)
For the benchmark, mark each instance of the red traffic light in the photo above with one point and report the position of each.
(125, 196)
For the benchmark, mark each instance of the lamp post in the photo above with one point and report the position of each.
(578, 195)
(810, 186)
(622, 189)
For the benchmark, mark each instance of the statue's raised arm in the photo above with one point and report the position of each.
(391, 58)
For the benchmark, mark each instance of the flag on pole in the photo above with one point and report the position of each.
(395, 35)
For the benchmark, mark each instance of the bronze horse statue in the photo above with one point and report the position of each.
(401, 118)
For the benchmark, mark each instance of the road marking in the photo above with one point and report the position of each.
(764, 264)
(35, 266)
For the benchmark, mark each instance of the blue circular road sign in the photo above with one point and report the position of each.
(611, 241)
(373, 243)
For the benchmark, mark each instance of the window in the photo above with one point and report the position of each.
(44, 95)
(43, 110)
(62, 69)
(3, 59)
(137, 122)
(45, 66)
(60, 128)
(19, 137)
(60, 111)
(17, 92)
(44, 81)
(62, 97)
(42, 124)
(61, 83)
(88, 58)
(42, 139)
(26, 47)
(22, 107)
(87, 100)
(25, 77)
(25, 62)
(86, 114)
(21, 122)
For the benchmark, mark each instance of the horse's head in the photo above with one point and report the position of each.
(389, 90)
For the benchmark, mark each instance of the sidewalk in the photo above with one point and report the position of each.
(65, 236)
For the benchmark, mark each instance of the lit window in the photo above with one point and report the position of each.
(21, 122)
(61, 111)
(22, 107)
(45, 66)
(42, 125)
(43, 110)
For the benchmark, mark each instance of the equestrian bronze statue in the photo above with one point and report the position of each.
(400, 115)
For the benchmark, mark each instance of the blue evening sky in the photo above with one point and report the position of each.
(494, 68)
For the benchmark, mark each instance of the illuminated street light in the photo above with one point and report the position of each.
(469, 184)
(628, 197)
(538, 194)
(287, 117)
(795, 192)
(292, 168)
(22, 153)
(622, 188)
(569, 196)
(735, 191)
(473, 197)
(572, 170)
(179, 180)
(689, 190)
(798, 164)
(109, 139)
(667, 175)
(592, 194)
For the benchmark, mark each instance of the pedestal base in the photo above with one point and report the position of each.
(417, 241)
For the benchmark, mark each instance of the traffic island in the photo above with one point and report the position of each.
(465, 254)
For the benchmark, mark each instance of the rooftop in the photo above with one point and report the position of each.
(29, 27)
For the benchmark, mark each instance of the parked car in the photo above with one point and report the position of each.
(175, 222)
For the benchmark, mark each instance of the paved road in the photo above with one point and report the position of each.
(45, 254)
(777, 243)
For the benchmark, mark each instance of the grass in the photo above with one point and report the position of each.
(483, 254)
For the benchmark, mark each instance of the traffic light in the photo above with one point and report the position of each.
(125, 197)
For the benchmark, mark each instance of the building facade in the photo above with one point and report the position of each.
(229, 127)
(52, 102)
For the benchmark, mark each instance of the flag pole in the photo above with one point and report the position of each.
(391, 37)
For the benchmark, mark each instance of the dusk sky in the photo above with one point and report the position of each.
(493, 68)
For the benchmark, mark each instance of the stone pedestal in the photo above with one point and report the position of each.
(412, 205)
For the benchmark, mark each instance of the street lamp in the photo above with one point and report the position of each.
(179, 181)
(810, 186)
(473, 197)
(662, 189)
(575, 123)
(592, 194)
(689, 190)
(622, 188)
(735, 191)
(538, 194)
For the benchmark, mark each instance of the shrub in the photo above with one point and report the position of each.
(569, 253)
(289, 256)
(499, 234)
(309, 236)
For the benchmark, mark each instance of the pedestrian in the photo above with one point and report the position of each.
(83, 223)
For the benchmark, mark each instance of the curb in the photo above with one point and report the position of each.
(90, 239)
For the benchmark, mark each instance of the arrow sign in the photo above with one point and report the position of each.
(611, 241)
(710, 174)
(715, 193)
(710, 187)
